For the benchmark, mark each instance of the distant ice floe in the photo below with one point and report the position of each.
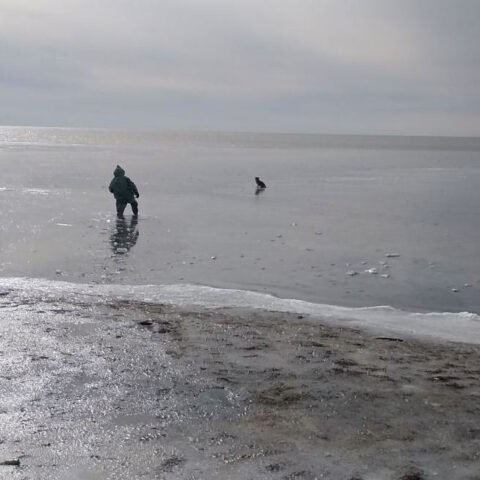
(36, 191)
(28, 191)
(444, 326)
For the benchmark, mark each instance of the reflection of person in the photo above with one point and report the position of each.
(125, 235)
(124, 191)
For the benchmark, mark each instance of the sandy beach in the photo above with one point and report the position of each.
(127, 390)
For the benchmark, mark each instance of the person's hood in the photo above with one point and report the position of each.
(119, 171)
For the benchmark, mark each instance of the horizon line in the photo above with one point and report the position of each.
(238, 132)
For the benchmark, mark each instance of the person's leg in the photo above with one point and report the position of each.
(134, 205)
(120, 208)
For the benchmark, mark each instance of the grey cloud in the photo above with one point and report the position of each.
(310, 65)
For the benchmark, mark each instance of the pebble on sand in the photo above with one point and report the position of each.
(372, 271)
(392, 255)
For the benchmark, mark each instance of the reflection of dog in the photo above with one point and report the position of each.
(259, 183)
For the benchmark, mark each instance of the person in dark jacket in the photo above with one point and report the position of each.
(124, 191)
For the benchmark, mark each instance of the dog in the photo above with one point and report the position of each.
(259, 183)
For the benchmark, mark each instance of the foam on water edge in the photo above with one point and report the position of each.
(458, 327)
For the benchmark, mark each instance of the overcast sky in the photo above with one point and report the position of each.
(327, 66)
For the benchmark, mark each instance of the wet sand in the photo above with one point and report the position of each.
(145, 391)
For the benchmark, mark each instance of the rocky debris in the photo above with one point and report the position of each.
(170, 463)
(311, 343)
(274, 467)
(413, 475)
(11, 463)
(372, 271)
(301, 475)
(281, 395)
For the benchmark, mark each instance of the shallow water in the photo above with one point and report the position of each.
(334, 208)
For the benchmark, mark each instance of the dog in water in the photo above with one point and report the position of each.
(259, 183)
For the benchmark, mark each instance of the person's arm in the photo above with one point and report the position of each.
(133, 187)
(110, 186)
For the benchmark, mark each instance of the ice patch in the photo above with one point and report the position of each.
(458, 327)
(36, 191)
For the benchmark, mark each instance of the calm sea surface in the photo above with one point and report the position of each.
(335, 210)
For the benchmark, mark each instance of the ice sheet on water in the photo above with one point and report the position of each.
(36, 191)
(459, 327)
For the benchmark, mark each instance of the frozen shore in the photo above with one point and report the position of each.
(127, 390)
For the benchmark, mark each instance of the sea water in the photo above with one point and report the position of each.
(349, 221)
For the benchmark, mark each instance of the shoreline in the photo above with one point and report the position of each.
(460, 327)
(136, 390)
